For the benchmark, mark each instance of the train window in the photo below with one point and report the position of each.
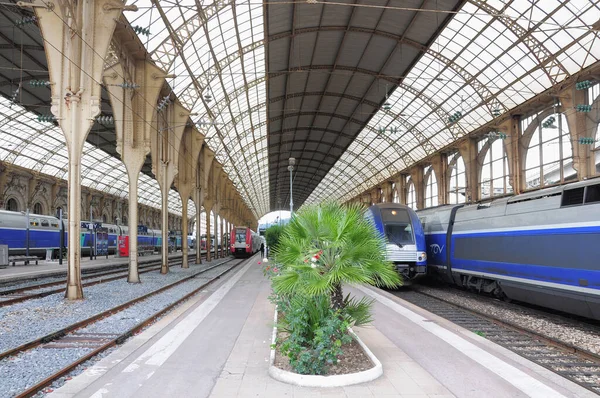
(592, 193)
(54, 224)
(572, 197)
(45, 223)
(34, 222)
(399, 234)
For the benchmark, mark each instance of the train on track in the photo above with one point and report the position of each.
(540, 247)
(405, 240)
(245, 242)
(43, 234)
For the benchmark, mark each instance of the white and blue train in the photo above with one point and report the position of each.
(44, 234)
(541, 247)
(405, 240)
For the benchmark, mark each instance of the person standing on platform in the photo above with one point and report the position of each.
(262, 250)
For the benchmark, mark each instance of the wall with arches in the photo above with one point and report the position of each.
(541, 148)
(21, 190)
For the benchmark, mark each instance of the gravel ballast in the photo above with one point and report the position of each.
(32, 319)
(24, 370)
(565, 330)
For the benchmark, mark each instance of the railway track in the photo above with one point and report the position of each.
(69, 337)
(574, 363)
(13, 296)
(18, 294)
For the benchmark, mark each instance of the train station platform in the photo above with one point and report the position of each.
(218, 344)
(53, 268)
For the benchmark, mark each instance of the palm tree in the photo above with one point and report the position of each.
(327, 245)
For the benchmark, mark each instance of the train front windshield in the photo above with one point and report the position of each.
(240, 235)
(398, 227)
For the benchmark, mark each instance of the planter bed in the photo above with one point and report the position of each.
(357, 365)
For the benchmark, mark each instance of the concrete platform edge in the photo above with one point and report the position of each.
(494, 348)
(80, 382)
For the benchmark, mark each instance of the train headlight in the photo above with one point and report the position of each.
(247, 246)
(421, 256)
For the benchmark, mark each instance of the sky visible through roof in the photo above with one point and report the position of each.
(493, 55)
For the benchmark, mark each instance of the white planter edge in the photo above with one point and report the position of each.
(324, 381)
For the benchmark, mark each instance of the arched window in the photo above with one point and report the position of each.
(104, 218)
(431, 188)
(12, 205)
(58, 210)
(493, 180)
(125, 221)
(37, 208)
(411, 197)
(395, 197)
(549, 156)
(458, 185)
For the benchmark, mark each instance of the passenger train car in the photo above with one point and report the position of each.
(44, 234)
(541, 247)
(405, 241)
(244, 241)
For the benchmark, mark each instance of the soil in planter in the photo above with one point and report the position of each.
(353, 360)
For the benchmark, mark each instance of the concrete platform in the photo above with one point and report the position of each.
(218, 345)
(53, 268)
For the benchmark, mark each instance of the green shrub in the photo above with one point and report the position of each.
(316, 333)
(321, 248)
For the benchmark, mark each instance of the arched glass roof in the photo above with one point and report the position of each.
(492, 56)
(218, 51)
(500, 53)
(41, 147)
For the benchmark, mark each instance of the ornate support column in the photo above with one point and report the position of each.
(581, 125)
(223, 243)
(401, 189)
(198, 201)
(512, 147)
(165, 151)
(208, 207)
(216, 212)
(468, 151)
(132, 112)
(76, 39)
(440, 167)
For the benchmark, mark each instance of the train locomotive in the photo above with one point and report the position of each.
(244, 241)
(44, 235)
(405, 240)
(539, 247)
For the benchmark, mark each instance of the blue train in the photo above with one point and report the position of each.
(405, 240)
(541, 247)
(44, 234)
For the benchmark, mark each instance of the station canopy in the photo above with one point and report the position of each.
(355, 91)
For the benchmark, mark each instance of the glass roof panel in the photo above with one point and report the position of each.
(220, 49)
(41, 147)
(500, 51)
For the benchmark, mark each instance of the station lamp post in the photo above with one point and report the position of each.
(292, 162)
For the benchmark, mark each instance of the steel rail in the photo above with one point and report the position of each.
(124, 336)
(85, 322)
(15, 300)
(565, 348)
(62, 282)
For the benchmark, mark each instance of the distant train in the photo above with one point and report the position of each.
(405, 240)
(44, 234)
(541, 247)
(244, 241)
